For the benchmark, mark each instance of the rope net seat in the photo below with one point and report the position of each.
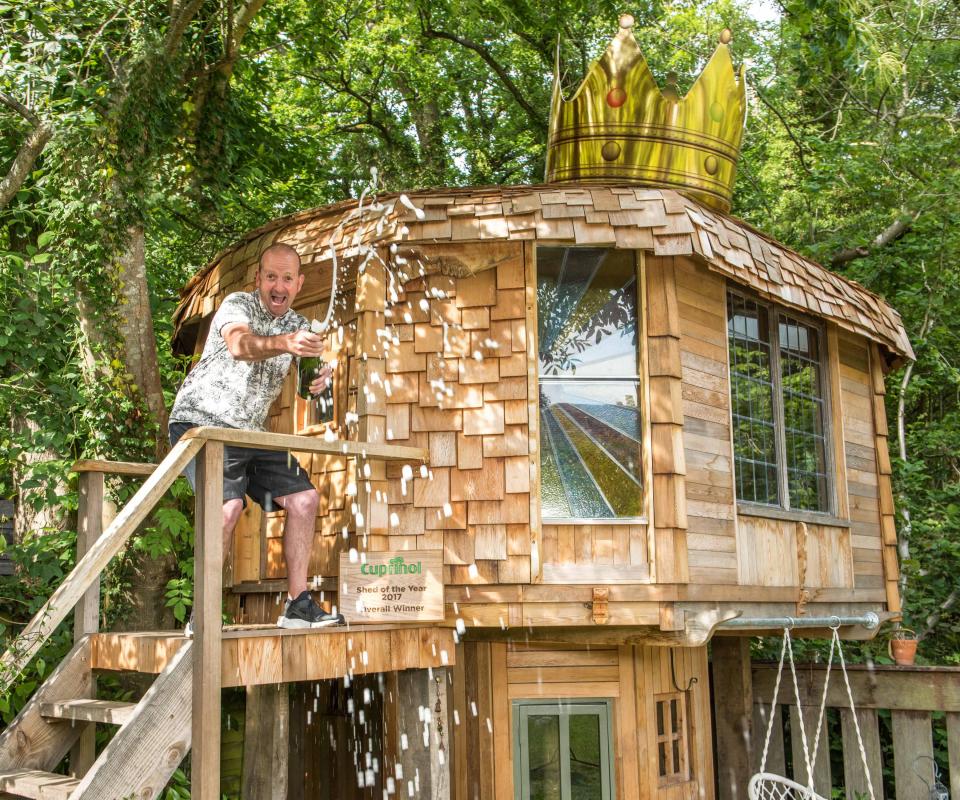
(769, 786)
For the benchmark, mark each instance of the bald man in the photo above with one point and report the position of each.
(253, 340)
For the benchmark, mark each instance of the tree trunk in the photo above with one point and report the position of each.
(28, 518)
(136, 330)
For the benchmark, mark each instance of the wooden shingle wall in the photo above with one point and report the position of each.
(668, 460)
(705, 390)
(488, 676)
(457, 377)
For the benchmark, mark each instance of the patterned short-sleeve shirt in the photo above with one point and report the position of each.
(224, 391)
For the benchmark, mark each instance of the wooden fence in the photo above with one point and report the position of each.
(918, 699)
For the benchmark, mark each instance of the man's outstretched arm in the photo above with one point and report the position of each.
(247, 346)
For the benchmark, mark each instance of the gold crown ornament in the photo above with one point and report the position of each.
(619, 126)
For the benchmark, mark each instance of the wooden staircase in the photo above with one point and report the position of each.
(153, 737)
(155, 734)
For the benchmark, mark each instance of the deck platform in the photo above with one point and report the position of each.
(260, 654)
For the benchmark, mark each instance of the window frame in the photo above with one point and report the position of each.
(563, 709)
(640, 378)
(783, 509)
(668, 737)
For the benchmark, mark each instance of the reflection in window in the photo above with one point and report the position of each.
(751, 400)
(803, 413)
(589, 409)
(779, 447)
(563, 750)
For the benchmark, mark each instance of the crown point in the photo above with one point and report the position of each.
(627, 21)
(726, 36)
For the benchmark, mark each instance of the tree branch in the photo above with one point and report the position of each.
(19, 108)
(27, 156)
(183, 14)
(491, 62)
(786, 126)
(895, 230)
(934, 619)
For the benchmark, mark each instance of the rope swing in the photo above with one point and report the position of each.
(768, 786)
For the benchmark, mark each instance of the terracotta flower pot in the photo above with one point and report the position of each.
(903, 650)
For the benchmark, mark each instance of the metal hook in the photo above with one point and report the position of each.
(834, 626)
(791, 622)
(673, 676)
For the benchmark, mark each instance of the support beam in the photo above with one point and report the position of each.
(423, 724)
(86, 614)
(732, 714)
(266, 743)
(208, 571)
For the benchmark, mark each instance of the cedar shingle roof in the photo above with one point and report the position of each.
(658, 220)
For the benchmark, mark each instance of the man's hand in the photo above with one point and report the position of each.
(319, 384)
(304, 344)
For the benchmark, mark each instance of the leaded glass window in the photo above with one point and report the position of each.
(590, 431)
(778, 407)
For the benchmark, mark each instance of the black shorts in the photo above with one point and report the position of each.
(261, 474)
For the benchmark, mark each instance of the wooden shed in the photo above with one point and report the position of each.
(643, 417)
(647, 431)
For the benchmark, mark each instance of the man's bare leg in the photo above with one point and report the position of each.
(298, 530)
(232, 511)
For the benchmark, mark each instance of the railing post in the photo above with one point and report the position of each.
(207, 569)
(86, 614)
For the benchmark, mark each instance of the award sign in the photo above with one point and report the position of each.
(392, 586)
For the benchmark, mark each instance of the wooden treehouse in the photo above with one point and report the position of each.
(621, 422)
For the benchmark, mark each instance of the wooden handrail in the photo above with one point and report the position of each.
(113, 467)
(159, 478)
(88, 568)
(375, 451)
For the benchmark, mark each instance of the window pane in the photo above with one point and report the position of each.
(751, 399)
(587, 312)
(586, 778)
(803, 410)
(590, 449)
(543, 737)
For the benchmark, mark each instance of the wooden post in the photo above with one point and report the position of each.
(776, 754)
(266, 743)
(424, 762)
(953, 751)
(822, 777)
(86, 614)
(208, 569)
(912, 753)
(732, 714)
(854, 778)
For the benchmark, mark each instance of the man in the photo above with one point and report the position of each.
(253, 339)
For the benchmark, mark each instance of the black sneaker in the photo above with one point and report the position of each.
(305, 613)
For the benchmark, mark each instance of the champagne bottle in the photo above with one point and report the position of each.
(308, 372)
(309, 367)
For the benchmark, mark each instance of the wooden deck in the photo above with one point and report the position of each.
(260, 654)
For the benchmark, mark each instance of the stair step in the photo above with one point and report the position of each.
(85, 710)
(37, 785)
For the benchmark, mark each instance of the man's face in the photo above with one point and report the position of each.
(278, 281)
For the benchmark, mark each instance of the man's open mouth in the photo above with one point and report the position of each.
(278, 299)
